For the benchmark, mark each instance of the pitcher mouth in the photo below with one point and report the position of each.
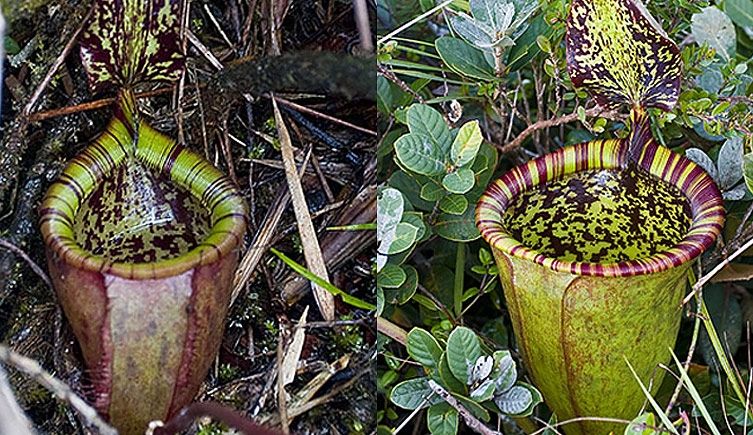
(184, 168)
(705, 200)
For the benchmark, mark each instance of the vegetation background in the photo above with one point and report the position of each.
(496, 93)
(49, 114)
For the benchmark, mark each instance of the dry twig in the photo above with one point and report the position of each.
(470, 420)
(54, 68)
(38, 270)
(594, 111)
(57, 387)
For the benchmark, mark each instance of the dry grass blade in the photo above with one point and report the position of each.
(293, 352)
(311, 250)
(262, 239)
(56, 386)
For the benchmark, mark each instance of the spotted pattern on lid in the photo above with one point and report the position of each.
(620, 54)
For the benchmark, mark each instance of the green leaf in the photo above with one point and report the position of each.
(416, 219)
(420, 154)
(424, 348)
(740, 11)
(464, 59)
(477, 410)
(432, 191)
(380, 301)
(442, 419)
(384, 95)
(427, 121)
(391, 276)
(405, 291)
(460, 181)
(544, 44)
(448, 379)
(390, 204)
(514, 401)
(505, 372)
(466, 144)
(748, 171)
(413, 394)
(10, 45)
(642, 425)
(411, 190)
(405, 236)
(618, 52)
(713, 27)
(347, 298)
(526, 47)
(132, 41)
(458, 228)
(453, 204)
(730, 163)
(463, 349)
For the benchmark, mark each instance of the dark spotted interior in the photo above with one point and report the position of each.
(137, 217)
(600, 216)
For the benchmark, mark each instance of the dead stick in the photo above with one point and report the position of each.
(515, 143)
(54, 68)
(313, 112)
(32, 368)
(91, 105)
(705, 278)
(38, 270)
(470, 420)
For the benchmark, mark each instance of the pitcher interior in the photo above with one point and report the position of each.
(600, 216)
(138, 216)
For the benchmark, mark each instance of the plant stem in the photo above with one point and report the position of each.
(499, 66)
(721, 354)
(391, 330)
(594, 111)
(470, 420)
(459, 279)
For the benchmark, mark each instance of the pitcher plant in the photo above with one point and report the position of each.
(594, 241)
(142, 235)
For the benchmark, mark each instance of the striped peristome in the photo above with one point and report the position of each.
(132, 41)
(161, 155)
(620, 54)
(706, 204)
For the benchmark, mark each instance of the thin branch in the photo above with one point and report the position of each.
(16, 250)
(470, 420)
(600, 419)
(364, 28)
(56, 386)
(688, 358)
(313, 112)
(91, 105)
(592, 112)
(389, 75)
(391, 330)
(428, 13)
(54, 68)
(705, 278)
